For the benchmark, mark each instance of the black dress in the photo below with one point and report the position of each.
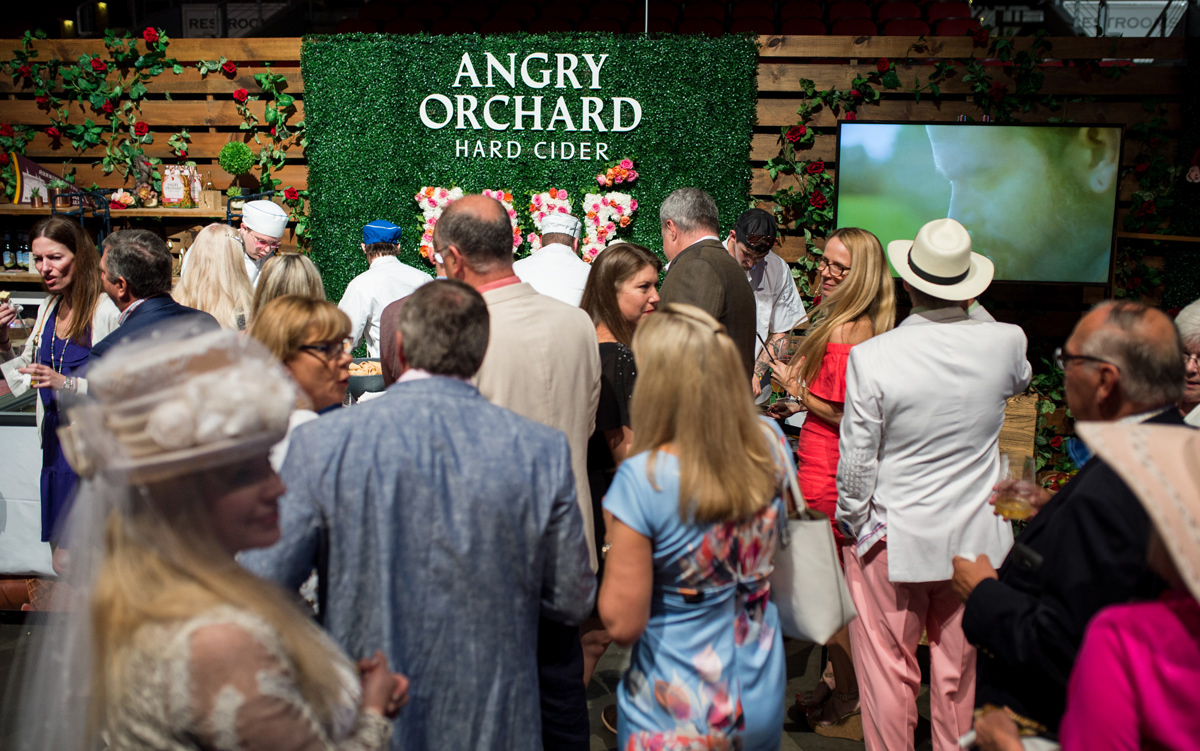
(617, 374)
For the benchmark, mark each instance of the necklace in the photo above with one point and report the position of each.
(54, 341)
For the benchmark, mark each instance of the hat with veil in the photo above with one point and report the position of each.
(177, 405)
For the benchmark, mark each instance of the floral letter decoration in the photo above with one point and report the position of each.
(433, 201)
(553, 201)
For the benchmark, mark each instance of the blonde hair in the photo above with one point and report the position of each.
(287, 322)
(867, 290)
(163, 563)
(685, 360)
(216, 280)
(287, 274)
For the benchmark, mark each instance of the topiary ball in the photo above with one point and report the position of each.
(236, 158)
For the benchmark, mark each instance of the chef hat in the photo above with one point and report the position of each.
(561, 223)
(381, 231)
(265, 217)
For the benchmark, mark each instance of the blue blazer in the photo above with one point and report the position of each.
(150, 316)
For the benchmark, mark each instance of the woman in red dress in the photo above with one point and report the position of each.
(858, 301)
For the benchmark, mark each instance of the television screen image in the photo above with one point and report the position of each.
(1039, 200)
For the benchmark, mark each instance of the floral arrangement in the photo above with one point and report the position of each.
(433, 201)
(553, 201)
(621, 172)
(606, 214)
(121, 200)
(506, 200)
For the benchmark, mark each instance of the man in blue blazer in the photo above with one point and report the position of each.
(447, 527)
(136, 272)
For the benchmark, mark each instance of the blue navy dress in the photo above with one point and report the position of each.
(58, 479)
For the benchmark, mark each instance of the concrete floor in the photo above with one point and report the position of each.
(803, 668)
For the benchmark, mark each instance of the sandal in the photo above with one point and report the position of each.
(819, 696)
(831, 715)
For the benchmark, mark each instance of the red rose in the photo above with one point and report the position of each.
(883, 65)
(1135, 282)
(291, 194)
(1155, 142)
(24, 72)
(1146, 209)
(1056, 442)
(239, 95)
(855, 93)
(796, 132)
(817, 199)
(816, 168)
(99, 65)
(979, 37)
(1141, 167)
(851, 115)
(42, 101)
(272, 130)
(3, 158)
(53, 132)
(140, 129)
(6, 130)
(108, 107)
(997, 91)
(229, 68)
(150, 35)
(183, 153)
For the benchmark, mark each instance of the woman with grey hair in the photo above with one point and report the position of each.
(1188, 323)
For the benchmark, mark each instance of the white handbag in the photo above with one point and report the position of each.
(807, 586)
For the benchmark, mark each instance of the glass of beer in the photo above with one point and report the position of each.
(1013, 503)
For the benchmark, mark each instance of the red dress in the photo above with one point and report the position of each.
(817, 452)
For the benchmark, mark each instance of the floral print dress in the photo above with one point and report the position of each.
(708, 672)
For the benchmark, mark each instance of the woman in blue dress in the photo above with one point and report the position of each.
(55, 356)
(693, 522)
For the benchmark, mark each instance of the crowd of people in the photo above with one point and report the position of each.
(568, 456)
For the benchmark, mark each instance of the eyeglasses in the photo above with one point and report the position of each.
(1061, 358)
(260, 243)
(1191, 358)
(836, 269)
(329, 350)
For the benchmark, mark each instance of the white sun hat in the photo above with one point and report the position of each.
(939, 262)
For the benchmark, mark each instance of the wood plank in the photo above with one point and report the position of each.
(293, 175)
(191, 82)
(778, 112)
(1138, 81)
(204, 146)
(176, 114)
(1064, 48)
(250, 49)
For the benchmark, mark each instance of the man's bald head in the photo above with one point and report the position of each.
(480, 229)
(1142, 343)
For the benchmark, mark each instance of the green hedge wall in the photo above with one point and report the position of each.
(369, 152)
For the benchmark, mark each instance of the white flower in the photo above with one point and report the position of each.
(172, 425)
(708, 665)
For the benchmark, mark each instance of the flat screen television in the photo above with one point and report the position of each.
(1039, 200)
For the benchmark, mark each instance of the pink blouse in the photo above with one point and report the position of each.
(1136, 682)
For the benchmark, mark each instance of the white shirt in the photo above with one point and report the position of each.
(386, 281)
(920, 440)
(557, 271)
(777, 304)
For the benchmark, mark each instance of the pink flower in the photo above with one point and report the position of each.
(600, 179)
(626, 164)
(562, 194)
(562, 209)
(633, 175)
(620, 179)
(708, 665)
(674, 698)
(633, 204)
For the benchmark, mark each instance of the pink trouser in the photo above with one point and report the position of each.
(884, 637)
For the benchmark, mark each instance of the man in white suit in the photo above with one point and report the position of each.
(556, 268)
(919, 456)
(542, 362)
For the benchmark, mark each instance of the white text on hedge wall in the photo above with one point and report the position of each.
(502, 112)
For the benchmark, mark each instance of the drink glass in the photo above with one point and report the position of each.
(1014, 502)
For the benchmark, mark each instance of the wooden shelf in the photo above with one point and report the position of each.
(11, 277)
(1163, 238)
(22, 210)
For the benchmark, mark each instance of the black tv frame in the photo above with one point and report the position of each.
(1112, 243)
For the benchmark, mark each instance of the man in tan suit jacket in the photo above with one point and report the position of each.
(542, 362)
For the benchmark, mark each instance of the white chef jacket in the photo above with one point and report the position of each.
(557, 271)
(386, 281)
(920, 440)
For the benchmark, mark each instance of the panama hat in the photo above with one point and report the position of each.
(1161, 465)
(939, 262)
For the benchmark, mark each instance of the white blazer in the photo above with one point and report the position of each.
(920, 440)
(104, 322)
(556, 271)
